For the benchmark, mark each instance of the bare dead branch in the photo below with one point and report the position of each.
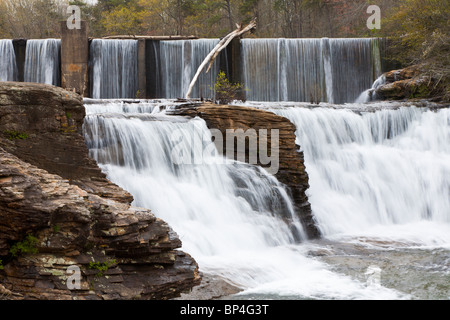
(223, 43)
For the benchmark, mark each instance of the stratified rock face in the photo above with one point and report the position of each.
(42, 125)
(291, 171)
(74, 225)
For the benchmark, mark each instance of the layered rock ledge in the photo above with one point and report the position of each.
(291, 171)
(52, 191)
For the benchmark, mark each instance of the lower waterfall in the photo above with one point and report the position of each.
(379, 185)
(383, 168)
(8, 67)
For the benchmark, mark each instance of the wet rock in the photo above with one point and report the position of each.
(407, 83)
(211, 288)
(291, 170)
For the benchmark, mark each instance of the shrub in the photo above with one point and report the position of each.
(225, 91)
(101, 267)
(27, 246)
(14, 135)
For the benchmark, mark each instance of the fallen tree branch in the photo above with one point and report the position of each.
(215, 52)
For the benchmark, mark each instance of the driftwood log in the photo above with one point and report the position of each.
(223, 43)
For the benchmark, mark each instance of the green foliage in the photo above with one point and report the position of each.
(225, 91)
(420, 33)
(111, 4)
(27, 246)
(1, 264)
(422, 91)
(416, 25)
(102, 267)
(14, 135)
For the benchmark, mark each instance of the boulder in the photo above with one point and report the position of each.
(407, 83)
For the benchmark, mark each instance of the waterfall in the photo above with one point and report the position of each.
(226, 213)
(114, 68)
(42, 61)
(236, 202)
(309, 70)
(354, 67)
(8, 67)
(376, 170)
(179, 61)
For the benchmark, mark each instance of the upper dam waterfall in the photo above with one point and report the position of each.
(379, 184)
(309, 70)
(300, 70)
(114, 68)
(8, 67)
(179, 61)
(42, 61)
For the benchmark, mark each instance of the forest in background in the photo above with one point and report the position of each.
(419, 30)
(202, 18)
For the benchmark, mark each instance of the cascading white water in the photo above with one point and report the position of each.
(238, 202)
(180, 60)
(8, 66)
(370, 94)
(224, 212)
(309, 70)
(114, 68)
(42, 61)
(377, 172)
